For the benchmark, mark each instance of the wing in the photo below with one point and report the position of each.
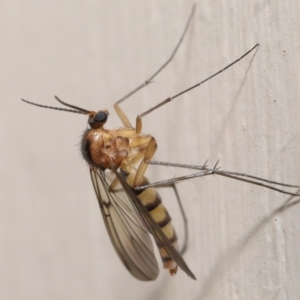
(128, 235)
(153, 228)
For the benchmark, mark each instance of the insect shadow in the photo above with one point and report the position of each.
(227, 259)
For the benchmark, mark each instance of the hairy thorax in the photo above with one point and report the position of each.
(106, 149)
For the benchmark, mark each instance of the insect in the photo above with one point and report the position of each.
(131, 207)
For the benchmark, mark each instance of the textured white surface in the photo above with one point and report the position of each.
(52, 240)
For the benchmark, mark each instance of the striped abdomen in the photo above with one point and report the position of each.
(151, 200)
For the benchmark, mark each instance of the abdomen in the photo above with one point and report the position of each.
(151, 200)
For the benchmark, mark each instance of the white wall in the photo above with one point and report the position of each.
(52, 238)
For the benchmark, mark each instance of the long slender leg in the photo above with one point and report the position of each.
(219, 172)
(139, 117)
(205, 171)
(185, 221)
(117, 108)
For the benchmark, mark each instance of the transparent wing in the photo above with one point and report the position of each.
(153, 228)
(128, 234)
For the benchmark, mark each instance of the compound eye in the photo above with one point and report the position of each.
(100, 117)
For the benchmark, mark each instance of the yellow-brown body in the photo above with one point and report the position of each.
(122, 148)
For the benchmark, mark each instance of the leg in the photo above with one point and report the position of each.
(139, 117)
(141, 148)
(205, 171)
(113, 185)
(117, 108)
(150, 150)
(185, 222)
